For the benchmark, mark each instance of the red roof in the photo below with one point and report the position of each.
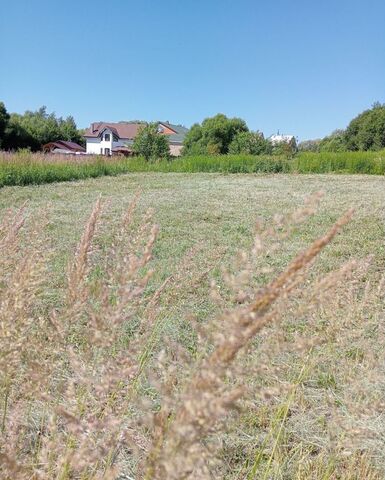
(64, 145)
(122, 130)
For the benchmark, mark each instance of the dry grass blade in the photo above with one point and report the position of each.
(206, 399)
(78, 269)
(93, 388)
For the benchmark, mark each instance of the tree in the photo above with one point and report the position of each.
(34, 129)
(193, 143)
(214, 135)
(286, 147)
(367, 130)
(334, 142)
(252, 143)
(150, 143)
(15, 135)
(4, 119)
(68, 130)
(309, 145)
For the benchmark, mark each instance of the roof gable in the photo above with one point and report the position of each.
(121, 130)
(65, 145)
(178, 129)
(129, 130)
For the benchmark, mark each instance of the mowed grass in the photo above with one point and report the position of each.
(211, 212)
(205, 219)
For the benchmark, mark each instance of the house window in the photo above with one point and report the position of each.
(107, 137)
(107, 151)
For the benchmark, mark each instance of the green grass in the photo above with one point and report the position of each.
(32, 169)
(372, 163)
(27, 171)
(212, 214)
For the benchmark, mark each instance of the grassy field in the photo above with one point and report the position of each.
(311, 381)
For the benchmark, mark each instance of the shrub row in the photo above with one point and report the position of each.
(27, 168)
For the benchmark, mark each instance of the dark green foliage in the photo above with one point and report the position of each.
(193, 142)
(34, 129)
(68, 130)
(367, 130)
(4, 119)
(151, 144)
(251, 143)
(16, 136)
(213, 136)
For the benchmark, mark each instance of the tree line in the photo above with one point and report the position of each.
(366, 132)
(33, 129)
(217, 135)
(220, 135)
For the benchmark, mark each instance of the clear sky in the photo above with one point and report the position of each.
(305, 67)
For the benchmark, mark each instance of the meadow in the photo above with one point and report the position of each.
(170, 326)
(25, 168)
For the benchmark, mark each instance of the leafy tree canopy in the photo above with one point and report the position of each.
(287, 148)
(252, 143)
(334, 142)
(214, 135)
(150, 143)
(34, 129)
(4, 119)
(309, 146)
(367, 130)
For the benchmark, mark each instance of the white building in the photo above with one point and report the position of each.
(108, 138)
(114, 138)
(278, 138)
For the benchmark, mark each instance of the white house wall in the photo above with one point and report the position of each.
(93, 146)
(97, 146)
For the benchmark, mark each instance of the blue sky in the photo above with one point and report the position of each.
(301, 66)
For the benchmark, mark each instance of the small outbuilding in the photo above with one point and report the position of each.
(123, 151)
(63, 147)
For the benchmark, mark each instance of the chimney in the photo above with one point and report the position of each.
(92, 127)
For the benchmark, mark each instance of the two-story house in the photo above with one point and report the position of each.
(117, 138)
(108, 138)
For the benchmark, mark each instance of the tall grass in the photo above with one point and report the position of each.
(372, 163)
(215, 163)
(79, 403)
(26, 168)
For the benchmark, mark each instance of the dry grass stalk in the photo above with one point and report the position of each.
(88, 421)
(176, 453)
(85, 386)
